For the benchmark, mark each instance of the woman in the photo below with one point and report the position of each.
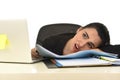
(92, 36)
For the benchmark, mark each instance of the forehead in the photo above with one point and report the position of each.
(93, 36)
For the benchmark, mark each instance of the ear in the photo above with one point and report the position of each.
(79, 29)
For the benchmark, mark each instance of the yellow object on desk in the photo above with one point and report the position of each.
(3, 41)
(109, 59)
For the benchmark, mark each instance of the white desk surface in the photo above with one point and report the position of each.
(39, 71)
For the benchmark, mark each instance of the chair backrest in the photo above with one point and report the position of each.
(55, 29)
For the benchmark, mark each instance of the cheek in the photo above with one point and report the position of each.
(85, 48)
(78, 36)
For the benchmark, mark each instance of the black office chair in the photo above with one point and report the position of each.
(55, 29)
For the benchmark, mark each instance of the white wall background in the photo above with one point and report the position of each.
(42, 12)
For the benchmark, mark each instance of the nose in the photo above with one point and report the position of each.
(81, 43)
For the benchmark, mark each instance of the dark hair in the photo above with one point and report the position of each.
(102, 32)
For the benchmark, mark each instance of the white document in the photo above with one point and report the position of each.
(80, 62)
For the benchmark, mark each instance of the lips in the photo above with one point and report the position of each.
(76, 47)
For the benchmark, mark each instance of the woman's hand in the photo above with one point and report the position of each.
(34, 54)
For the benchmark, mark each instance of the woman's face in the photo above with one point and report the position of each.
(84, 39)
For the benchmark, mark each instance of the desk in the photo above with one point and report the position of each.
(39, 71)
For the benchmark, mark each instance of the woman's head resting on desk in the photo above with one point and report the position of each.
(91, 36)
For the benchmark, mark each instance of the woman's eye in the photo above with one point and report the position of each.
(90, 46)
(85, 36)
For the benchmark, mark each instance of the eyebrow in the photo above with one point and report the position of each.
(92, 44)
